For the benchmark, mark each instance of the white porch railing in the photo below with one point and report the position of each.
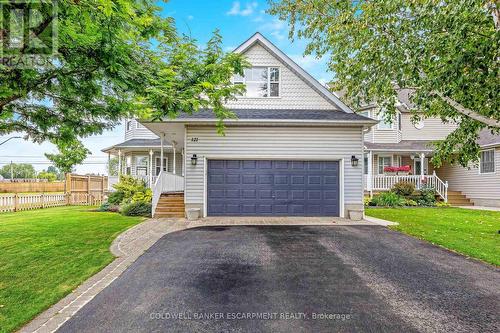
(165, 182)
(385, 183)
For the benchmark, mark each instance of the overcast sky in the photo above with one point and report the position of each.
(236, 20)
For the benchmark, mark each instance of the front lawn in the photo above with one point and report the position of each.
(45, 254)
(471, 232)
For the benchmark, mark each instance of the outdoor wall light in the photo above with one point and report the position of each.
(194, 159)
(354, 161)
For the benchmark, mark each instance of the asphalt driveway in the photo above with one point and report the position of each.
(296, 279)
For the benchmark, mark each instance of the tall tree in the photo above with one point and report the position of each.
(18, 170)
(446, 51)
(114, 59)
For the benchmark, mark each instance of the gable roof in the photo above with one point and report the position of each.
(258, 38)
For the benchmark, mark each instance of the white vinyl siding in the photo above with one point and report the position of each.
(482, 188)
(295, 93)
(307, 143)
(135, 130)
(434, 129)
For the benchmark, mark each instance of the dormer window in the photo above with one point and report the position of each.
(260, 81)
(383, 124)
(128, 125)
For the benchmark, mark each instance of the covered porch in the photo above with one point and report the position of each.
(386, 166)
(147, 159)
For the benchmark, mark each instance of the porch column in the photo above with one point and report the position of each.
(119, 162)
(183, 152)
(369, 176)
(109, 164)
(151, 168)
(422, 160)
(162, 137)
(173, 147)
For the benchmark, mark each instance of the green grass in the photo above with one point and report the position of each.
(473, 233)
(45, 254)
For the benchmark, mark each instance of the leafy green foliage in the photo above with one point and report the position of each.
(116, 197)
(403, 188)
(70, 154)
(19, 170)
(426, 197)
(445, 51)
(136, 209)
(388, 199)
(115, 59)
(129, 186)
(108, 207)
(144, 197)
(51, 177)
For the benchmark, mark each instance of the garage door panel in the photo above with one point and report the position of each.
(279, 188)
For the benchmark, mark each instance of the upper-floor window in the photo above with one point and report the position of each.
(384, 123)
(399, 121)
(128, 125)
(260, 81)
(487, 161)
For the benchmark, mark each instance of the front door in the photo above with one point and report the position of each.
(418, 166)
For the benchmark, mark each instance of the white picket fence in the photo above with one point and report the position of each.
(19, 202)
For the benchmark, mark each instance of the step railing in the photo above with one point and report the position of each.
(165, 182)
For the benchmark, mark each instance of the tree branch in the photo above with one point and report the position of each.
(468, 112)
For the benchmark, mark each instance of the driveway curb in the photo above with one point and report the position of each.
(131, 244)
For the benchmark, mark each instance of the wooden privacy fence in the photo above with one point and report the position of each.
(29, 186)
(80, 190)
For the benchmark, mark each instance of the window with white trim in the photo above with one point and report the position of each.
(129, 125)
(487, 161)
(383, 161)
(383, 124)
(260, 81)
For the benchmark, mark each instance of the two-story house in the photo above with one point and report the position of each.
(404, 143)
(295, 148)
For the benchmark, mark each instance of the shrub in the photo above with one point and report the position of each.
(442, 204)
(410, 202)
(108, 207)
(403, 188)
(427, 196)
(145, 196)
(115, 198)
(136, 209)
(388, 199)
(129, 186)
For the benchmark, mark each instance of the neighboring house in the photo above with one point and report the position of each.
(292, 151)
(404, 143)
